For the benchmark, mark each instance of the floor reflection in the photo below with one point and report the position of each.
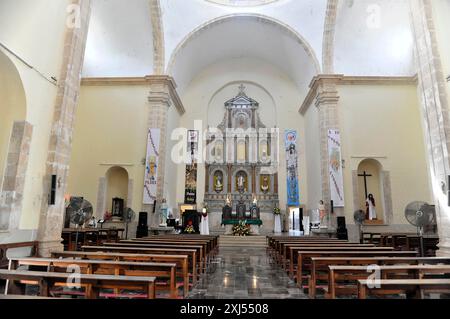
(245, 273)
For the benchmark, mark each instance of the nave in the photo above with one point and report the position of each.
(245, 273)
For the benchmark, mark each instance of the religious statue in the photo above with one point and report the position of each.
(322, 212)
(370, 208)
(265, 184)
(241, 182)
(164, 213)
(218, 184)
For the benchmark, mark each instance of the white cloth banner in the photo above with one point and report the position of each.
(151, 166)
(204, 227)
(335, 168)
(277, 225)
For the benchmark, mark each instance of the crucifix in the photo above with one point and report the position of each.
(365, 175)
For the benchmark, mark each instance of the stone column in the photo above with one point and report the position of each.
(207, 179)
(60, 146)
(14, 177)
(159, 103)
(435, 112)
(327, 99)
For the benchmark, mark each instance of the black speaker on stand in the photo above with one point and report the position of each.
(142, 228)
(342, 233)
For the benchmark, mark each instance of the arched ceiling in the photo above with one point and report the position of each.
(120, 39)
(180, 18)
(239, 36)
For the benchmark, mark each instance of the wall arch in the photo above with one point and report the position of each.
(15, 139)
(301, 67)
(12, 104)
(378, 184)
(117, 185)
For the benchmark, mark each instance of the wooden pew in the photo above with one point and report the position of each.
(94, 283)
(304, 258)
(105, 267)
(19, 297)
(320, 266)
(181, 260)
(414, 287)
(203, 251)
(4, 262)
(192, 253)
(288, 250)
(293, 251)
(201, 257)
(207, 244)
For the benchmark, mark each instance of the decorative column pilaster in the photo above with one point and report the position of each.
(326, 101)
(159, 103)
(60, 145)
(161, 97)
(435, 112)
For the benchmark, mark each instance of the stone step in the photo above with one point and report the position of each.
(235, 241)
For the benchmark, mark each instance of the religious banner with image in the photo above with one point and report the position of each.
(151, 166)
(335, 168)
(293, 196)
(190, 193)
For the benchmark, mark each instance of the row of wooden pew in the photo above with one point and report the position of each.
(339, 268)
(153, 267)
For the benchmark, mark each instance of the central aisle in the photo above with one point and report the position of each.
(245, 273)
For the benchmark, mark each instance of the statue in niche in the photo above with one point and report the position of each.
(218, 182)
(241, 182)
(265, 184)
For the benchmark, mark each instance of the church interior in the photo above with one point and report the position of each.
(225, 149)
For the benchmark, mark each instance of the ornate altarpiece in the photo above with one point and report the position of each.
(241, 163)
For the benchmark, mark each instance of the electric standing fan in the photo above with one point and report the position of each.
(420, 214)
(80, 211)
(129, 217)
(360, 216)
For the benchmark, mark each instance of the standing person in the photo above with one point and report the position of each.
(322, 211)
(370, 208)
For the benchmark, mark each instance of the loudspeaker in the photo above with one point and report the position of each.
(341, 222)
(143, 218)
(332, 207)
(342, 232)
(154, 206)
(52, 197)
(142, 229)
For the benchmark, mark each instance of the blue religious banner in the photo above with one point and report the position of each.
(293, 196)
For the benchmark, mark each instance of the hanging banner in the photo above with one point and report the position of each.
(190, 193)
(293, 196)
(151, 166)
(335, 168)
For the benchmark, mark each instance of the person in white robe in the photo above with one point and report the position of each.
(371, 208)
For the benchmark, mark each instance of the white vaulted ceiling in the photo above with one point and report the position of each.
(245, 36)
(285, 33)
(120, 39)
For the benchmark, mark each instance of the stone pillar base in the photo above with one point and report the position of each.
(47, 247)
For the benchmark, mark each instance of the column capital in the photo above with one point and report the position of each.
(162, 88)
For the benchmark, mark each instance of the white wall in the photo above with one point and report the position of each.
(34, 30)
(286, 98)
(384, 122)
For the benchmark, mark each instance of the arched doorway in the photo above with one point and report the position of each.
(15, 138)
(370, 173)
(117, 191)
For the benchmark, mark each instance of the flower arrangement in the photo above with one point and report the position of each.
(242, 229)
(277, 211)
(189, 228)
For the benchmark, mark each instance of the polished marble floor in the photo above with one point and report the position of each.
(245, 273)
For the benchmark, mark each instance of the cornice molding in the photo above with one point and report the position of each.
(340, 79)
(150, 80)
